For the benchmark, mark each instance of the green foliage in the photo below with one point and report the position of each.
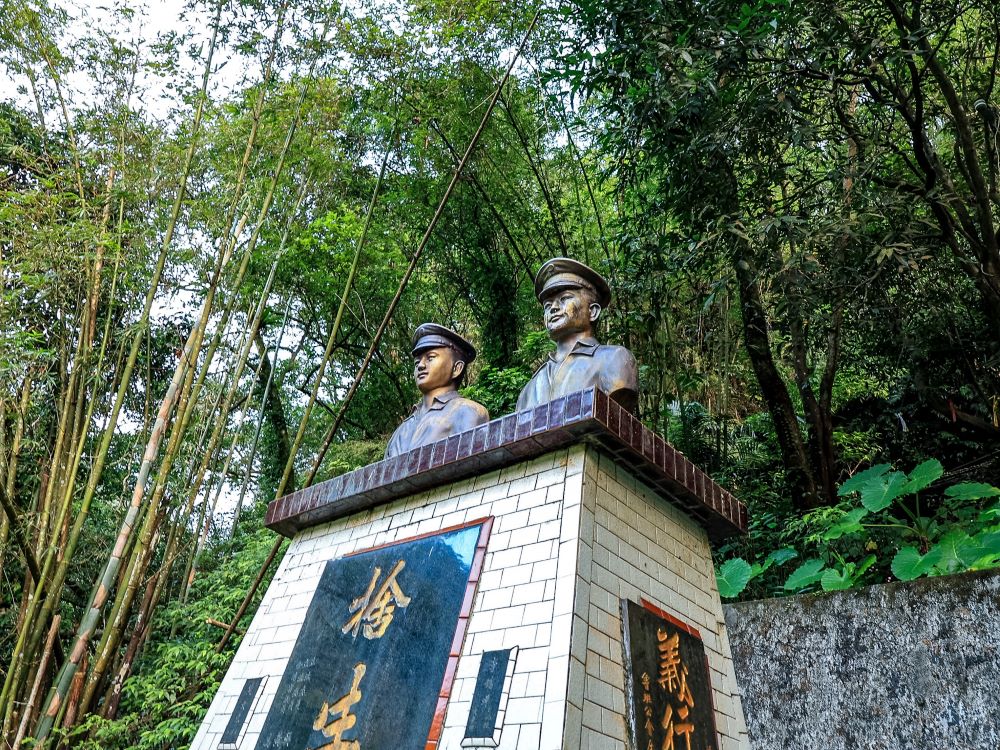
(895, 532)
(178, 675)
(498, 389)
(733, 576)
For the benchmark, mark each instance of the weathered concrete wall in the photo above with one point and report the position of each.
(911, 666)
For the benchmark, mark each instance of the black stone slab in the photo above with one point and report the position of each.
(380, 684)
(238, 718)
(668, 686)
(486, 698)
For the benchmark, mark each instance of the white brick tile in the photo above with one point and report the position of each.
(509, 617)
(524, 536)
(537, 613)
(495, 599)
(533, 499)
(543, 634)
(470, 500)
(537, 552)
(528, 737)
(517, 575)
(543, 513)
(527, 710)
(511, 473)
(492, 579)
(550, 530)
(504, 506)
(528, 593)
(550, 477)
(522, 485)
(504, 558)
(544, 570)
(524, 636)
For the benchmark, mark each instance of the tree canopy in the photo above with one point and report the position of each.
(211, 224)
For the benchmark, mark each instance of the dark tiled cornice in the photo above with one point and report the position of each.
(586, 416)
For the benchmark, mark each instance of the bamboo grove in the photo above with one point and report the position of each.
(218, 230)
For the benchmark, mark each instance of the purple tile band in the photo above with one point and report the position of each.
(585, 416)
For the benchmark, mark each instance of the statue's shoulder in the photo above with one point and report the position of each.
(612, 353)
(470, 410)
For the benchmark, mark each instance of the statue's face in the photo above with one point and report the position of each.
(436, 368)
(569, 311)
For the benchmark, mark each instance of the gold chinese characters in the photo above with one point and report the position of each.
(374, 609)
(673, 678)
(334, 720)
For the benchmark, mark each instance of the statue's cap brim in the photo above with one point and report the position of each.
(565, 273)
(432, 336)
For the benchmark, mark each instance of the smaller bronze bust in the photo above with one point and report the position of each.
(572, 296)
(440, 357)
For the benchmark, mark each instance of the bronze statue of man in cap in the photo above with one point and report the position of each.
(440, 358)
(572, 296)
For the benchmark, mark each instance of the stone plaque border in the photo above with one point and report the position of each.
(475, 572)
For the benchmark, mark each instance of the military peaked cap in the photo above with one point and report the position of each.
(431, 336)
(566, 273)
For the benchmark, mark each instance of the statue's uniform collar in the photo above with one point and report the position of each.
(586, 346)
(437, 404)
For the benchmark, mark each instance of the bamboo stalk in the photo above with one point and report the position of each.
(36, 685)
(376, 340)
(125, 595)
(30, 633)
(260, 418)
(88, 624)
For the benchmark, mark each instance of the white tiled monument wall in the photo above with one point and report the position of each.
(572, 534)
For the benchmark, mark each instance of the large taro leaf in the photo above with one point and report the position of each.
(972, 491)
(956, 551)
(909, 563)
(835, 580)
(780, 556)
(732, 577)
(923, 476)
(849, 523)
(879, 492)
(805, 575)
(859, 480)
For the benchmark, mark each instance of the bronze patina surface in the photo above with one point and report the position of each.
(440, 357)
(573, 296)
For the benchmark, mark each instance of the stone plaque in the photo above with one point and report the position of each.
(367, 668)
(489, 699)
(238, 719)
(668, 687)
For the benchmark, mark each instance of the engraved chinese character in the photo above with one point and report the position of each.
(670, 659)
(334, 720)
(374, 609)
(676, 727)
(683, 692)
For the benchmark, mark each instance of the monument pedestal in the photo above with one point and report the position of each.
(544, 581)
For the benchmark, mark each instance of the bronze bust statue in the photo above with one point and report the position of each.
(572, 296)
(440, 357)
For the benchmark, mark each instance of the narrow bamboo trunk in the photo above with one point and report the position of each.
(37, 683)
(260, 418)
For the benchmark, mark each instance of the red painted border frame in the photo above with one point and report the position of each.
(646, 604)
(475, 571)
